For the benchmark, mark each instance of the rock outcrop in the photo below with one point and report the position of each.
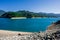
(55, 26)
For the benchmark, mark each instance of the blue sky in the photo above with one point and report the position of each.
(49, 6)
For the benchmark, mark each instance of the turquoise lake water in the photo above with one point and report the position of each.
(28, 25)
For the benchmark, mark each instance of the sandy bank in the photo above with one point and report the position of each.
(12, 33)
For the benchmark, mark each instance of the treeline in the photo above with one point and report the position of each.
(27, 14)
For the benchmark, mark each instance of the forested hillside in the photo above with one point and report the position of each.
(26, 14)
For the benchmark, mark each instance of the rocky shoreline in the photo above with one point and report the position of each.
(47, 35)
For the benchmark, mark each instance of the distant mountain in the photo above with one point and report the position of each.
(2, 12)
(49, 14)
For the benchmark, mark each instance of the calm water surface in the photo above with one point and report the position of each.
(28, 25)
